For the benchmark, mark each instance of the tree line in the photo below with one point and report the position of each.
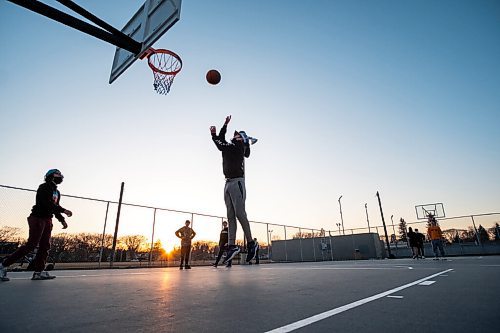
(82, 247)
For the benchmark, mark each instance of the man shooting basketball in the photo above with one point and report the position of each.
(233, 166)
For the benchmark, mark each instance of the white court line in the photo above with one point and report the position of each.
(333, 312)
(335, 268)
(79, 275)
(426, 283)
(394, 296)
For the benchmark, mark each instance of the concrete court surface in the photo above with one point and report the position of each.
(461, 294)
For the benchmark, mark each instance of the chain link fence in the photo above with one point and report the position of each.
(145, 235)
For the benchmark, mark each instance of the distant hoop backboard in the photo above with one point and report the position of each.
(435, 209)
(152, 20)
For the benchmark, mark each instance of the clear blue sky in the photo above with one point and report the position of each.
(346, 98)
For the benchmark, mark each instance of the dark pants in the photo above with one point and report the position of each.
(185, 252)
(421, 250)
(39, 235)
(437, 244)
(222, 249)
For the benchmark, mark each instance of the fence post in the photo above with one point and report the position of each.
(353, 245)
(268, 243)
(116, 225)
(475, 230)
(300, 242)
(103, 234)
(331, 245)
(385, 228)
(152, 238)
(314, 246)
(286, 251)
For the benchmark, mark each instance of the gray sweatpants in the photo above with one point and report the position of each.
(234, 197)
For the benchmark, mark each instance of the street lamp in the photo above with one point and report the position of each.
(341, 218)
(367, 220)
(269, 242)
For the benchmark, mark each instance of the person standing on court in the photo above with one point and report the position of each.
(186, 234)
(233, 167)
(435, 235)
(257, 259)
(420, 243)
(40, 227)
(412, 237)
(223, 239)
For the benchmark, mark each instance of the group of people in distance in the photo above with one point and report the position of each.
(417, 239)
(233, 166)
(186, 234)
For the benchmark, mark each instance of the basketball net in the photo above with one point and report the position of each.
(165, 65)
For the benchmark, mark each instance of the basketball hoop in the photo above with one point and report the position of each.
(165, 65)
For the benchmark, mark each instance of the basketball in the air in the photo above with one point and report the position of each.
(213, 76)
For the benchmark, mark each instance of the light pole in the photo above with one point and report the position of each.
(269, 246)
(385, 228)
(367, 220)
(341, 218)
(338, 226)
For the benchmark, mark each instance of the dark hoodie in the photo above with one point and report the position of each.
(47, 202)
(233, 154)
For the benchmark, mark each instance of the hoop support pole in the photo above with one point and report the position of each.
(123, 41)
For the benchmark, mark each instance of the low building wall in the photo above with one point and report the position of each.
(362, 246)
(349, 247)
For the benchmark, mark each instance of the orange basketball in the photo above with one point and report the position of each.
(213, 76)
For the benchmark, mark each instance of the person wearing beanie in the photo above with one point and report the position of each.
(233, 167)
(223, 238)
(40, 227)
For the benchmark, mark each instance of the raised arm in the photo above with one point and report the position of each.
(220, 140)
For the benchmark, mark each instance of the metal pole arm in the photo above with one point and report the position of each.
(123, 41)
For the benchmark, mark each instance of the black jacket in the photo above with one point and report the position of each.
(223, 239)
(47, 202)
(233, 154)
(412, 237)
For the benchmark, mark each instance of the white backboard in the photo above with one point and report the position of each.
(151, 21)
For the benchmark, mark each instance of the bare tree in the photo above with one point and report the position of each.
(61, 244)
(133, 243)
(10, 234)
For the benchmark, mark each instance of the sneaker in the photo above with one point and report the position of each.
(3, 273)
(42, 276)
(229, 264)
(231, 253)
(214, 265)
(181, 267)
(252, 250)
(187, 267)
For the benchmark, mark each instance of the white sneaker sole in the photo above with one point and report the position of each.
(232, 256)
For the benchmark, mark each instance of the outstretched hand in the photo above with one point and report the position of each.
(213, 130)
(228, 119)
